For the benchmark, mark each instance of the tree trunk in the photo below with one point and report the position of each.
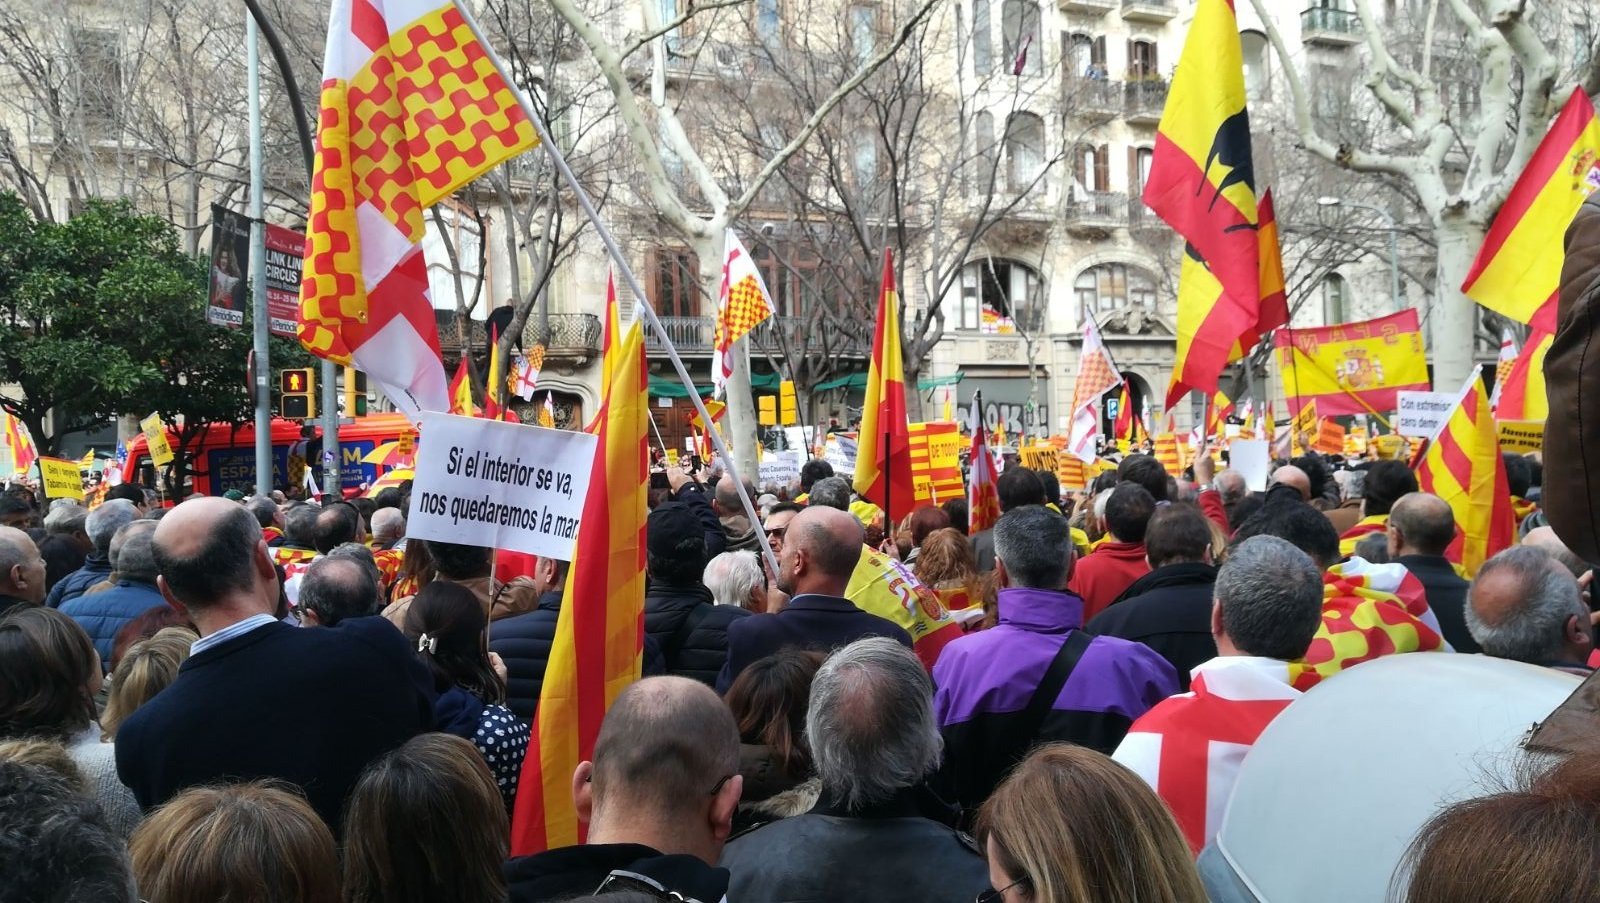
(1454, 316)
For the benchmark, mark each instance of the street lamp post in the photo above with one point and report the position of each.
(1394, 242)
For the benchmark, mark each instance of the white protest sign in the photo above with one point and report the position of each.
(1251, 459)
(779, 469)
(841, 453)
(501, 485)
(1423, 413)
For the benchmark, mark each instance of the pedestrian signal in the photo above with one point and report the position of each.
(297, 394)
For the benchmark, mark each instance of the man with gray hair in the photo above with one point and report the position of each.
(337, 586)
(874, 740)
(69, 520)
(730, 513)
(21, 570)
(388, 528)
(1036, 676)
(1421, 526)
(1523, 605)
(101, 524)
(1268, 607)
(735, 578)
(103, 614)
(830, 492)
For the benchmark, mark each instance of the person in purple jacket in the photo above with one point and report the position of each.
(1037, 676)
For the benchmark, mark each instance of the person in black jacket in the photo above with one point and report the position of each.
(1169, 609)
(679, 613)
(1421, 526)
(695, 495)
(258, 698)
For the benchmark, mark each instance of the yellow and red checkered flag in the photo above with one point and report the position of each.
(743, 302)
(1368, 610)
(1097, 375)
(600, 631)
(1462, 465)
(413, 107)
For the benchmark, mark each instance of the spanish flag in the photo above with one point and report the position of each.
(883, 455)
(1462, 465)
(1217, 411)
(1353, 368)
(600, 631)
(1518, 268)
(461, 389)
(493, 409)
(413, 107)
(1123, 428)
(1202, 182)
(1522, 394)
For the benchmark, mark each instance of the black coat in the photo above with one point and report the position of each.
(1447, 596)
(574, 873)
(309, 706)
(524, 641)
(823, 623)
(1169, 610)
(698, 649)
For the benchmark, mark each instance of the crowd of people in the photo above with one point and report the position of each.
(256, 699)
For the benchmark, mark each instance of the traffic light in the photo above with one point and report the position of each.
(767, 414)
(788, 406)
(297, 393)
(355, 392)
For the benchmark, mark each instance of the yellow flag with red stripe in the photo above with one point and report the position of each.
(1462, 465)
(600, 631)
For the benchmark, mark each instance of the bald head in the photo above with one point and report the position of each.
(205, 549)
(1420, 523)
(727, 498)
(1290, 475)
(21, 566)
(663, 745)
(1546, 540)
(820, 551)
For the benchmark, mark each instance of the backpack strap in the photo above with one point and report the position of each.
(1055, 678)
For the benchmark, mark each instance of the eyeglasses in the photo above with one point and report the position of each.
(722, 783)
(777, 532)
(995, 896)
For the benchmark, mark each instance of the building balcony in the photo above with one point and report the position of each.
(1330, 27)
(1089, 98)
(1145, 99)
(1087, 7)
(567, 338)
(1096, 213)
(779, 336)
(1155, 12)
(1143, 220)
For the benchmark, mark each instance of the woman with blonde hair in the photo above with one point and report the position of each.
(146, 669)
(259, 842)
(1071, 826)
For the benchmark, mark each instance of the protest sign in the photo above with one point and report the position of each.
(62, 479)
(500, 485)
(155, 437)
(1521, 436)
(936, 462)
(840, 452)
(1040, 457)
(1251, 458)
(780, 468)
(1421, 414)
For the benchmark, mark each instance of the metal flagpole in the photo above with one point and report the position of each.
(641, 300)
(258, 271)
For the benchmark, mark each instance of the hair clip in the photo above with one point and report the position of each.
(428, 644)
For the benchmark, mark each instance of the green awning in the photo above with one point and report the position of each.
(924, 385)
(671, 387)
(859, 381)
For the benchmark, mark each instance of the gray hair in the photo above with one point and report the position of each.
(339, 586)
(65, 519)
(1231, 485)
(830, 492)
(388, 524)
(1271, 597)
(870, 722)
(732, 577)
(136, 556)
(104, 522)
(1534, 629)
(1036, 545)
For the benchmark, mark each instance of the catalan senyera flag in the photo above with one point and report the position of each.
(1462, 465)
(1523, 396)
(1170, 452)
(743, 302)
(461, 390)
(413, 107)
(1518, 269)
(935, 462)
(600, 631)
(1353, 368)
(883, 455)
(983, 494)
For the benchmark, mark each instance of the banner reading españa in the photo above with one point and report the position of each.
(1353, 368)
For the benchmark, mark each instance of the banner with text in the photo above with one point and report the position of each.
(62, 479)
(501, 485)
(1421, 414)
(1521, 436)
(155, 437)
(936, 462)
(780, 469)
(840, 451)
(228, 288)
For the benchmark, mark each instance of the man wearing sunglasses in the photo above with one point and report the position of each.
(658, 799)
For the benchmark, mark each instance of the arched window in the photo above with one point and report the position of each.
(1113, 286)
(1143, 60)
(1083, 56)
(1000, 297)
(1335, 298)
(1024, 149)
(1257, 75)
(1019, 21)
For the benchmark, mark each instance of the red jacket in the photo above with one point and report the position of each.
(1102, 575)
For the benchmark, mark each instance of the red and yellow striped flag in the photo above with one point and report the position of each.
(983, 493)
(1462, 465)
(20, 441)
(1522, 396)
(1518, 269)
(600, 631)
(413, 107)
(1170, 451)
(883, 452)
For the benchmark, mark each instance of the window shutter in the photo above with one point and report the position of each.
(1102, 168)
(1098, 53)
(1134, 184)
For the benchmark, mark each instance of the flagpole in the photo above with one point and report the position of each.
(641, 300)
